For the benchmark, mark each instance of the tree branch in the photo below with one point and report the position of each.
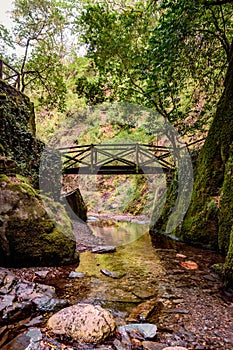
(218, 3)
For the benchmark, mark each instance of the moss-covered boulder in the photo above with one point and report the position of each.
(28, 235)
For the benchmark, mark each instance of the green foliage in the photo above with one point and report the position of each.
(188, 50)
(49, 92)
(5, 41)
(40, 33)
(115, 40)
(169, 56)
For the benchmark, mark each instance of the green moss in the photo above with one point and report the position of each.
(22, 179)
(22, 188)
(2, 151)
(228, 266)
(202, 227)
(4, 178)
(33, 237)
(218, 268)
(17, 132)
(39, 242)
(226, 207)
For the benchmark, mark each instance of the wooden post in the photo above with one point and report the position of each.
(1, 69)
(137, 157)
(92, 158)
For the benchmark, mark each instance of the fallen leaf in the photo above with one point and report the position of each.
(189, 265)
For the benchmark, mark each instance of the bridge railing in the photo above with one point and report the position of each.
(130, 158)
(9, 74)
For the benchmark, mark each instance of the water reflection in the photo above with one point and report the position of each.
(136, 264)
(118, 233)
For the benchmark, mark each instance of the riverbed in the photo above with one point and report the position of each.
(168, 283)
(191, 307)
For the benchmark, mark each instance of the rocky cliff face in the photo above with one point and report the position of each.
(17, 131)
(29, 236)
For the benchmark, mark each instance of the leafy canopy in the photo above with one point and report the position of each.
(166, 55)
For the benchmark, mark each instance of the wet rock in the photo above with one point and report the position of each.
(35, 321)
(83, 322)
(29, 290)
(45, 304)
(103, 249)
(6, 301)
(27, 340)
(45, 289)
(42, 274)
(92, 219)
(181, 256)
(25, 290)
(111, 274)
(146, 293)
(147, 310)
(125, 339)
(149, 345)
(177, 311)
(7, 281)
(74, 274)
(17, 311)
(147, 330)
(24, 298)
(21, 342)
(135, 334)
(210, 278)
(119, 346)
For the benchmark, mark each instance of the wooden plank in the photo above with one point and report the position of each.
(112, 170)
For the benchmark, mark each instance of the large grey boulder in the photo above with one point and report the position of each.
(83, 322)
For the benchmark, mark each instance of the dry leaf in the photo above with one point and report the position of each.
(189, 265)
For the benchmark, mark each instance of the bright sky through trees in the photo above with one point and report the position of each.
(5, 7)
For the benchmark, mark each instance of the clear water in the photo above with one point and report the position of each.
(136, 264)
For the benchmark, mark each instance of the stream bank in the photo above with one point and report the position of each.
(151, 283)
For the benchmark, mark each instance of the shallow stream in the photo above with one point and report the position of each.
(166, 282)
(134, 270)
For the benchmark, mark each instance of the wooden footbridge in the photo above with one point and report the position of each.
(107, 159)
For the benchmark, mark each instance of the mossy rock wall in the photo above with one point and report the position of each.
(228, 266)
(28, 235)
(208, 220)
(17, 131)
